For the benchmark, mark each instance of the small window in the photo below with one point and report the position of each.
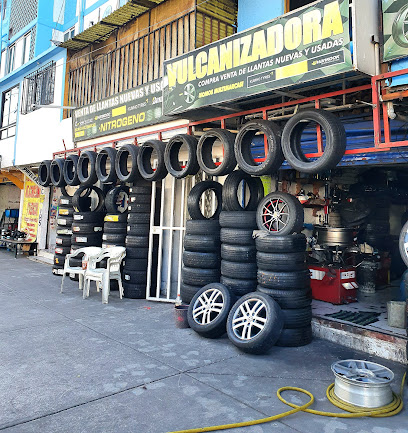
(69, 34)
(38, 88)
(9, 106)
(291, 5)
(19, 53)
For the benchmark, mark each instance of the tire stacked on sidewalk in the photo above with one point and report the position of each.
(115, 221)
(137, 241)
(64, 232)
(201, 254)
(282, 269)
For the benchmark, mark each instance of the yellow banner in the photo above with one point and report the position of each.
(31, 209)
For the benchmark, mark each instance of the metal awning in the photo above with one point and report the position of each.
(101, 31)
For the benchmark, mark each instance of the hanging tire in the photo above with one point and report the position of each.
(201, 243)
(201, 260)
(238, 219)
(193, 199)
(243, 148)
(86, 228)
(297, 317)
(78, 204)
(187, 292)
(238, 253)
(239, 287)
(236, 236)
(295, 337)
(231, 188)
(268, 243)
(144, 161)
(102, 173)
(280, 214)
(289, 298)
(239, 271)
(89, 217)
(70, 170)
(281, 261)
(335, 141)
(278, 280)
(112, 197)
(255, 323)
(44, 173)
(204, 152)
(202, 227)
(138, 218)
(208, 310)
(57, 172)
(199, 277)
(86, 168)
(123, 173)
(172, 160)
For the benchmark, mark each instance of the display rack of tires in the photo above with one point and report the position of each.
(201, 254)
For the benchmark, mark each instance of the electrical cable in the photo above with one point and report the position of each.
(390, 409)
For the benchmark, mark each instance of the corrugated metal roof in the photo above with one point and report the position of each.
(103, 29)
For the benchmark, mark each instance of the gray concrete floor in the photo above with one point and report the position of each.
(74, 365)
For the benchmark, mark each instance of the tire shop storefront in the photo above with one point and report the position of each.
(311, 121)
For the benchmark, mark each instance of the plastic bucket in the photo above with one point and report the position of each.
(180, 314)
(397, 314)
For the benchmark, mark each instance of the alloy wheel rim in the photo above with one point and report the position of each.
(208, 306)
(249, 319)
(275, 215)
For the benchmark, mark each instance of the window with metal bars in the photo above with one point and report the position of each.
(38, 88)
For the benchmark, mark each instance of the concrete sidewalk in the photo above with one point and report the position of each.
(74, 365)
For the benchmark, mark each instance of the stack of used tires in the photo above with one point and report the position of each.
(137, 241)
(64, 232)
(201, 255)
(115, 221)
(238, 221)
(282, 268)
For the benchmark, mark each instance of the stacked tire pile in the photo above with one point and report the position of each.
(137, 241)
(64, 232)
(282, 270)
(115, 221)
(201, 255)
(238, 221)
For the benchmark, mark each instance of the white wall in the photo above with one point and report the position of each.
(7, 152)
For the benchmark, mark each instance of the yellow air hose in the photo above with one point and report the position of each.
(353, 411)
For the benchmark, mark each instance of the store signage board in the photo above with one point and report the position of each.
(395, 29)
(311, 43)
(132, 109)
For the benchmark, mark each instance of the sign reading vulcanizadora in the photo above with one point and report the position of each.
(395, 29)
(308, 44)
(131, 109)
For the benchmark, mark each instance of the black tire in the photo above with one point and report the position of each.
(273, 159)
(65, 221)
(171, 156)
(65, 200)
(127, 151)
(134, 291)
(290, 298)
(86, 168)
(193, 199)
(78, 204)
(70, 170)
(140, 198)
(236, 236)
(86, 228)
(256, 341)
(64, 230)
(57, 270)
(138, 218)
(63, 240)
(289, 214)
(59, 259)
(295, 337)
(239, 287)
(57, 172)
(201, 243)
(64, 211)
(44, 173)
(139, 208)
(201, 260)
(239, 271)
(297, 317)
(75, 261)
(111, 199)
(135, 264)
(116, 218)
(204, 152)
(94, 240)
(115, 228)
(114, 238)
(62, 250)
(237, 253)
(335, 141)
(144, 162)
(142, 187)
(187, 292)
(280, 244)
(137, 241)
(202, 227)
(212, 321)
(102, 173)
(278, 280)
(199, 277)
(135, 277)
(89, 217)
(138, 229)
(281, 261)
(238, 219)
(137, 252)
(403, 240)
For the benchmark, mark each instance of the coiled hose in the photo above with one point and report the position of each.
(390, 409)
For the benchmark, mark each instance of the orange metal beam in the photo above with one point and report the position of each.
(12, 178)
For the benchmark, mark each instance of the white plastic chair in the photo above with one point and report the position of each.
(76, 270)
(114, 256)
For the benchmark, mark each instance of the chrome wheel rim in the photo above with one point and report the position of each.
(208, 306)
(249, 319)
(275, 215)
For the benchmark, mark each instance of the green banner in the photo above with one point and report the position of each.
(131, 109)
(395, 29)
(305, 45)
